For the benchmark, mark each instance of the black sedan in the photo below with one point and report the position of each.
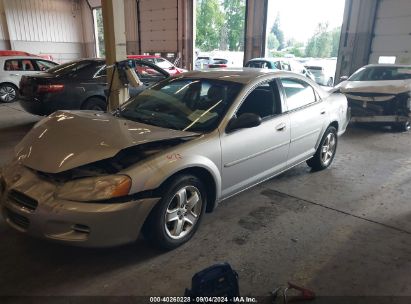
(80, 84)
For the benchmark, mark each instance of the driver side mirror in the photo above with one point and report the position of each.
(244, 121)
(344, 78)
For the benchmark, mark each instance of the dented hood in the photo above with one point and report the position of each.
(66, 140)
(380, 87)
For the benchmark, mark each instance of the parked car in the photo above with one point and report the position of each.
(323, 71)
(284, 64)
(210, 63)
(380, 93)
(13, 67)
(166, 156)
(160, 62)
(79, 84)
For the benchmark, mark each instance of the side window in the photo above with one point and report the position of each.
(13, 65)
(147, 72)
(102, 71)
(285, 66)
(43, 65)
(164, 64)
(276, 65)
(27, 65)
(264, 101)
(298, 92)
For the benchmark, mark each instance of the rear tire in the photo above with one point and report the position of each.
(8, 92)
(176, 217)
(326, 150)
(95, 104)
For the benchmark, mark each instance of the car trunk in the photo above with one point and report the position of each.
(33, 86)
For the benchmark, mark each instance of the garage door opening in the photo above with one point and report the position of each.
(99, 32)
(307, 31)
(219, 33)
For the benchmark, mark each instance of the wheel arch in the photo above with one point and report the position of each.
(205, 176)
(90, 97)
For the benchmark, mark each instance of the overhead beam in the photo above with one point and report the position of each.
(115, 46)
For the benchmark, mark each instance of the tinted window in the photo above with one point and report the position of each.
(44, 65)
(12, 65)
(298, 92)
(381, 73)
(263, 101)
(183, 104)
(86, 68)
(285, 66)
(258, 64)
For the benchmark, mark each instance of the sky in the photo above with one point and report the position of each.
(299, 18)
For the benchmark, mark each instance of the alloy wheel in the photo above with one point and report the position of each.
(7, 93)
(328, 148)
(183, 212)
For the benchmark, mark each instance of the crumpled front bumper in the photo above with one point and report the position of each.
(29, 205)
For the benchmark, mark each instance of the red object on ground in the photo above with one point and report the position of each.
(306, 294)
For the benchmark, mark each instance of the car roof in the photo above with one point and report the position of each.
(22, 57)
(239, 75)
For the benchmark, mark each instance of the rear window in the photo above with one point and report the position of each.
(76, 67)
(258, 64)
(381, 73)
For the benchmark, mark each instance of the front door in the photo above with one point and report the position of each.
(251, 155)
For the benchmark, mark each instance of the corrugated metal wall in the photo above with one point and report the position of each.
(52, 27)
(392, 31)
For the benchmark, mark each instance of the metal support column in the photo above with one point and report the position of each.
(115, 44)
(255, 29)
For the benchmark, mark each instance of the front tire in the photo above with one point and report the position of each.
(325, 153)
(176, 217)
(8, 93)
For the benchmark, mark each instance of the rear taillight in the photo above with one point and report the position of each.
(50, 88)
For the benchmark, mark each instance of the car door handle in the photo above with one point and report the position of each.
(14, 74)
(322, 112)
(281, 127)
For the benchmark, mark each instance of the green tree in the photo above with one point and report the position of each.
(210, 20)
(320, 45)
(335, 36)
(234, 11)
(272, 42)
(276, 30)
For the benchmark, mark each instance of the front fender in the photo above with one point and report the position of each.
(150, 175)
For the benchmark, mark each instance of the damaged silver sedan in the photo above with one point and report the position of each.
(167, 156)
(380, 93)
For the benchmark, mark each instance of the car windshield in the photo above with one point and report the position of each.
(381, 73)
(257, 64)
(196, 105)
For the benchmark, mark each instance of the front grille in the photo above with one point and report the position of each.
(18, 219)
(22, 200)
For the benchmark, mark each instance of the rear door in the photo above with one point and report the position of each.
(253, 154)
(16, 68)
(307, 117)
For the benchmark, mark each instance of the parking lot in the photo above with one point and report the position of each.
(351, 236)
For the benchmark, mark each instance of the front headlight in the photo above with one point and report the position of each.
(95, 188)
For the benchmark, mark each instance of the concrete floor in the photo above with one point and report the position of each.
(345, 231)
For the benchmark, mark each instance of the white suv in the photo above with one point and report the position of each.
(11, 70)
